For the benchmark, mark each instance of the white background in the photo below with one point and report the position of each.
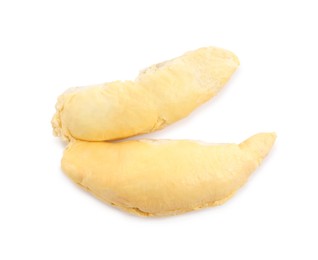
(48, 46)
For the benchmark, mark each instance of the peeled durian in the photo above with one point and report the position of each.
(164, 177)
(161, 95)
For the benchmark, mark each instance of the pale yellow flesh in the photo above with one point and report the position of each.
(161, 95)
(167, 177)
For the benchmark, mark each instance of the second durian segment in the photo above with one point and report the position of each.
(167, 177)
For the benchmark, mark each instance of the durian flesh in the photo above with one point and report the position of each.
(161, 95)
(167, 177)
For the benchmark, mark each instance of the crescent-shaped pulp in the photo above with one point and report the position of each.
(167, 177)
(161, 95)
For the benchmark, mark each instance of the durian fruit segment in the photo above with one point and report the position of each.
(161, 95)
(164, 177)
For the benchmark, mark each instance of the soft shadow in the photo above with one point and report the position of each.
(59, 142)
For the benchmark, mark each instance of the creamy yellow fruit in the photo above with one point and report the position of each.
(161, 95)
(167, 177)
